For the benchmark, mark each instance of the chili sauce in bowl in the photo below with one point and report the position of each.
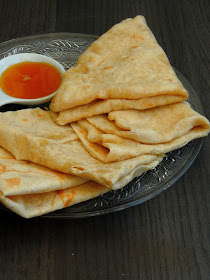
(29, 79)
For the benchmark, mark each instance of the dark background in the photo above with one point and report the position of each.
(164, 238)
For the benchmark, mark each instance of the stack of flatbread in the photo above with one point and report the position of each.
(114, 117)
(124, 69)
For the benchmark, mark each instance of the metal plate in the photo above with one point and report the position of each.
(66, 48)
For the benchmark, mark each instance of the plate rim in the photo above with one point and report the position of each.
(49, 35)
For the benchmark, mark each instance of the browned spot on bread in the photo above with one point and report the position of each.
(137, 37)
(11, 182)
(100, 62)
(108, 67)
(66, 197)
(3, 169)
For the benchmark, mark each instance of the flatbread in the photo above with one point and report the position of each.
(30, 190)
(32, 205)
(98, 107)
(29, 143)
(160, 130)
(153, 126)
(18, 177)
(104, 72)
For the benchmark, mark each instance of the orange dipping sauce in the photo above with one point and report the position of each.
(30, 80)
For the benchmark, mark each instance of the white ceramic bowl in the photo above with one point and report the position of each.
(18, 58)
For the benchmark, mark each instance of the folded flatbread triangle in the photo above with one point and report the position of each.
(124, 69)
(32, 205)
(134, 133)
(20, 177)
(30, 190)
